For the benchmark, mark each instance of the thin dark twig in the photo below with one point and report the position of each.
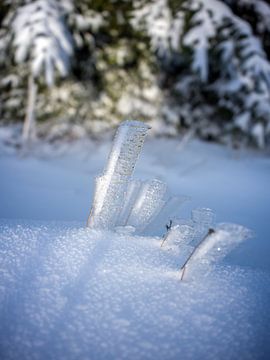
(165, 237)
(183, 267)
(168, 227)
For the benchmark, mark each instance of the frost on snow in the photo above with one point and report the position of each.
(70, 292)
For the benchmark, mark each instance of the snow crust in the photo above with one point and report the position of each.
(72, 292)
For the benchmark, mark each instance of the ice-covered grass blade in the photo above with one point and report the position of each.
(203, 219)
(214, 246)
(177, 240)
(111, 188)
(179, 235)
(149, 202)
(168, 213)
(130, 198)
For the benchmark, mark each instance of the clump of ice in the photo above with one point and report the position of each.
(203, 219)
(148, 203)
(72, 292)
(112, 187)
(120, 200)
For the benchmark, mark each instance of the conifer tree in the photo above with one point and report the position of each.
(42, 39)
(214, 52)
(193, 64)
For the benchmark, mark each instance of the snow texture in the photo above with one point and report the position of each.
(73, 292)
(67, 291)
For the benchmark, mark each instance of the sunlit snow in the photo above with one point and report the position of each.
(67, 291)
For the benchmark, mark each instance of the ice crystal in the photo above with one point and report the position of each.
(126, 206)
(119, 200)
(149, 202)
(111, 187)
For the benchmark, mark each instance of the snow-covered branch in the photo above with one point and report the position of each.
(42, 38)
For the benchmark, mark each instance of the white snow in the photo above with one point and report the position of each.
(67, 291)
(40, 33)
(163, 29)
(263, 12)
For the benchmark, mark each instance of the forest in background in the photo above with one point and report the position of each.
(71, 69)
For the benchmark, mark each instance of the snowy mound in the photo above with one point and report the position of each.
(137, 283)
(69, 292)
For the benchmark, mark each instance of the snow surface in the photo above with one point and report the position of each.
(70, 292)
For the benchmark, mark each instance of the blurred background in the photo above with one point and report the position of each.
(73, 69)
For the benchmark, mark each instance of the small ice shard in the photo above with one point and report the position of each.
(178, 240)
(105, 210)
(214, 246)
(111, 187)
(149, 202)
(168, 212)
(130, 198)
(203, 220)
(179, 235)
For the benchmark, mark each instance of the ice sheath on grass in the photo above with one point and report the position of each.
(149, 202)
(200, 244)
(121, 201)
(112, 187)
(214, 246)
